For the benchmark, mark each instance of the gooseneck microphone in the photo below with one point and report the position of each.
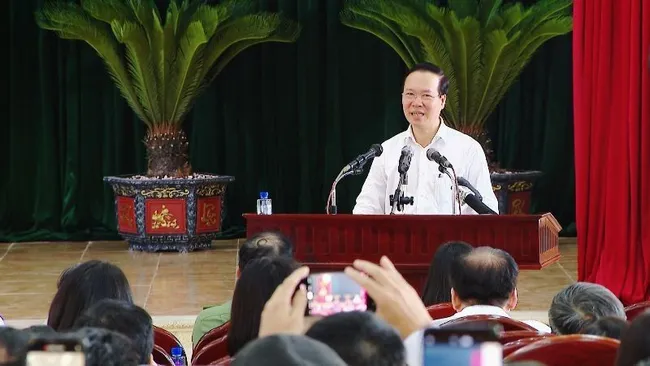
(476, 204)
(435, 155)
(354, 168)
(398, 200)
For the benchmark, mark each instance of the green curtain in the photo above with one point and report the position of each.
(282, 118)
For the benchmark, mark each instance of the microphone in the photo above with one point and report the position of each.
(476, 204)
(434, 155)
(464, 183)
(375, 150)
(405, 160)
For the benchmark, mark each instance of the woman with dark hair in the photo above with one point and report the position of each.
(257, 282)
(635, 342)
(437, 289)
(83, 285)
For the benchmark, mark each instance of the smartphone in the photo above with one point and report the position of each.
(462, 347)
(334, 292)
(55, 351)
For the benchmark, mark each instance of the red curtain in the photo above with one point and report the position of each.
(611, 67)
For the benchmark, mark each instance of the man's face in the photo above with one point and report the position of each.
(420, 100)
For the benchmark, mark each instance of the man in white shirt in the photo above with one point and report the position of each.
(483, 283)
(423, 99)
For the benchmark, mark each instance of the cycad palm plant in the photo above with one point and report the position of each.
(161, 68)
(482, 45)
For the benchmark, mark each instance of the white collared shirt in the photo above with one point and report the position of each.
(413, 343)
(430, 189)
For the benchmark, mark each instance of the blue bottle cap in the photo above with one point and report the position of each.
(264, 195)
(177, 351)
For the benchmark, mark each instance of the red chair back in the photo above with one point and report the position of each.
(160, 357)
(166, 340)
(633, 311)
(515, 335)
(508, 324)
(212, 335)
(569, 350)
(211, 352)
(510, 347)
(225, 361)
(440, 311)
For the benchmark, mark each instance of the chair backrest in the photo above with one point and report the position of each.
(633, 311)
(160, 357)
(211, 352)
(212, 335)
(166, 340)
(510, 347)
(515, 335)
(440, 311)
(569, 350)
(224, 361)
(508, 324)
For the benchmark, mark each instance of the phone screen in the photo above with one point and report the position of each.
(444, 347)
(57, 353)
(335, 292)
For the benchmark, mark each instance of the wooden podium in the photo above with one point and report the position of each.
(331, 242)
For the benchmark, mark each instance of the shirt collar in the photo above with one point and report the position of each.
(481, 310)
(442, 134)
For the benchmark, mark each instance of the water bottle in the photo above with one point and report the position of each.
(177, 356)
(264, 204)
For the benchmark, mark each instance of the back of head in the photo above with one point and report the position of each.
(264, 244)
(287, 350)
(82, 286)
(258, 281)
(484, 276)
(437, 289)
(125, 318)
(103, 347)
(360, 339)
(607, 327)
(13, 346)
(635, 342)
(580, 305)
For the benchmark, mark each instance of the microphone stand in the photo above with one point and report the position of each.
(397, 200)
(455, 192)
(331, 202)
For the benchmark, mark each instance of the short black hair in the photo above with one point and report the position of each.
(103, 347)
(360, 339)
(14, 342)
(253, 289)
(635, 342)
(437, 289)
(83, 285)
(125, 318)
(484, 276)
(608, 326)
(264, 244)
(443, 85)
(581, 304)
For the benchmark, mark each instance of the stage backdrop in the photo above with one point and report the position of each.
(612, 110)
(283, 118)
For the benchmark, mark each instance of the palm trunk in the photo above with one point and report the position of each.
(481, 135)
(167, 152)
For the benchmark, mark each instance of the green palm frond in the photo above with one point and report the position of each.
(161, 66)
(482, 45)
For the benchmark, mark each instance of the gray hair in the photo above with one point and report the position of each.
(580, 305)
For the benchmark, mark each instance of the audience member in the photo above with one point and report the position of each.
(260, 245)
(437, 288)
(258, 281)
(580, 305)
(360, 339)
(13, 346)
(484, 282)
(287, 350)
(128, 319)
(83, 286)
(635, 342)
(608, 326)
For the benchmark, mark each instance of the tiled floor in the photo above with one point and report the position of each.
(179, 285)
